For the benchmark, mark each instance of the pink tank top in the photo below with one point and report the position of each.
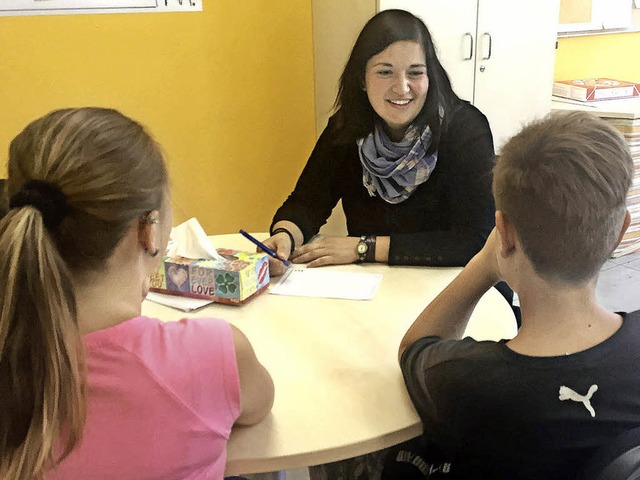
(162, 398)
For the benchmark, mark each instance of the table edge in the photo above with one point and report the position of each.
(301, 460)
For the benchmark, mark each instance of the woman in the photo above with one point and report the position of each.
(411, 163)
(90, 388)
(409, 159)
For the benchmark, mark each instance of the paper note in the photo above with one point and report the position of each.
(312, 282)
(181, 303)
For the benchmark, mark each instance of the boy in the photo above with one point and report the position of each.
(539, 405)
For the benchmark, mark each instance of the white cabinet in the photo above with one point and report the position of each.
(514, 85)
(500, 54)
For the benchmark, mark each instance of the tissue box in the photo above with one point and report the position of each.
(234, 279)
(592, 89)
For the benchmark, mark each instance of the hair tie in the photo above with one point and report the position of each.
(284, 230)
(46, 197)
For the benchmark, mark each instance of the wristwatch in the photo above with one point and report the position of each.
(362, 248)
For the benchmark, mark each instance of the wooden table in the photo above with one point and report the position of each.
(339, 389)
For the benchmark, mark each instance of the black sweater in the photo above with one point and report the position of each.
(443, 223)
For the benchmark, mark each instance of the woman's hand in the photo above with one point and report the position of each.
(281, 244)
(326, 250)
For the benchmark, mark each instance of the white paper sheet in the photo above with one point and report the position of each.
(317, 282)
(185, 304)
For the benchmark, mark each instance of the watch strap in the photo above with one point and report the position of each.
(370, 256)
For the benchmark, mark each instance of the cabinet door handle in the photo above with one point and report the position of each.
(469, 56)
(488, 55)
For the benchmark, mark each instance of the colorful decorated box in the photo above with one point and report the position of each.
(233, 279)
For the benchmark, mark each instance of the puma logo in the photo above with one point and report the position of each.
(567, 394)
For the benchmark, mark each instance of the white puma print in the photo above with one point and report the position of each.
(567, 394)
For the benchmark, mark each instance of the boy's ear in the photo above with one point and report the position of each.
(625, 225)
(507, 234)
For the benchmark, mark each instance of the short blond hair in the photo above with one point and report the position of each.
(562, 182)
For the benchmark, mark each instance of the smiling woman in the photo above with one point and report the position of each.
(410, 161)
(396, 83)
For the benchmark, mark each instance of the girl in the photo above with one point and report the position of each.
(90, 388)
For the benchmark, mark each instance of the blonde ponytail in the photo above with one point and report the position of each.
(40, 350)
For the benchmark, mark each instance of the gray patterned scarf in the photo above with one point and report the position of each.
(394, 170)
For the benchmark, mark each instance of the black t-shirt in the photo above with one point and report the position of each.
(514, 416)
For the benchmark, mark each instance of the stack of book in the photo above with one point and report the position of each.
(594, 89)
(630, 129)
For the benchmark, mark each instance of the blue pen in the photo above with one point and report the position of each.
(264, 248)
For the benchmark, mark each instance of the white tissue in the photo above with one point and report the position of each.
(190, 240)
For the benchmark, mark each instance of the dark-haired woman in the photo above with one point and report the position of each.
(410, 161)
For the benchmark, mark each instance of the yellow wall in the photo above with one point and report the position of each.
(227, 92)
(611, 55)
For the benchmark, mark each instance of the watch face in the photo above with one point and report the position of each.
(362, 248)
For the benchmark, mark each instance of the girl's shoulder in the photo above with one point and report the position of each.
(146, 331)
